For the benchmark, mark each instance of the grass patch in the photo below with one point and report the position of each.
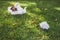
(26, 27)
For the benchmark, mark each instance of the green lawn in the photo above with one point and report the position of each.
(26, 26)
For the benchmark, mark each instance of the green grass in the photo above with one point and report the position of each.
(26, 27)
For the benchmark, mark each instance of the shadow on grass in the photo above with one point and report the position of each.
(52, 17)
